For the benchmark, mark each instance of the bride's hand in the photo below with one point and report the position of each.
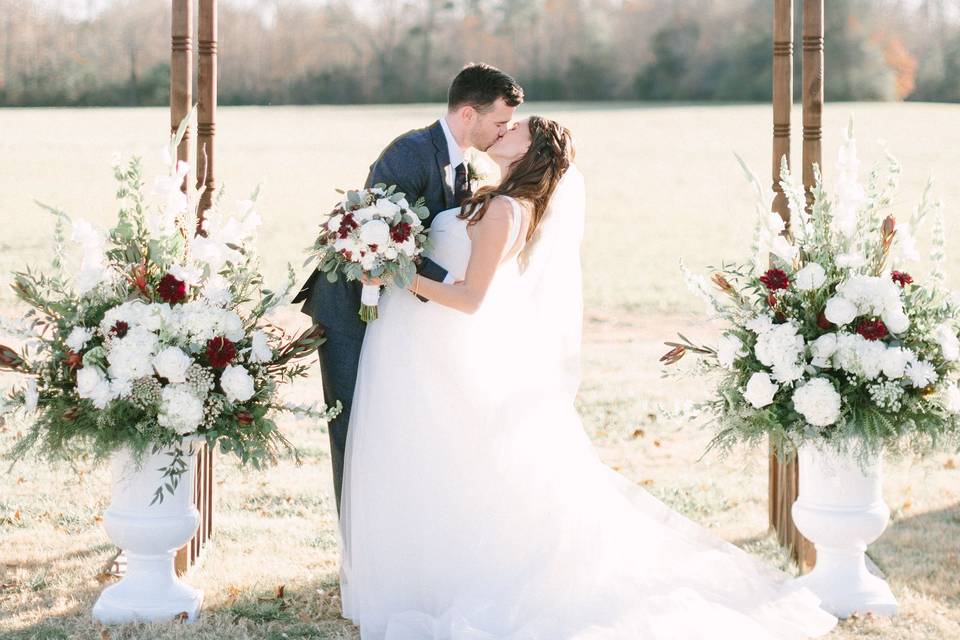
(373, 282)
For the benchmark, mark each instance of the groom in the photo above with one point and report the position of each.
(428, 163)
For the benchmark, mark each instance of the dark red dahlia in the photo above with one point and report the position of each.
(775, 279)
(244, 417)
(220, 352)
(347, 224)
(872, 329)
(171, 289)
(822, 321)
(120, 328)
(902, 278)
(401, 232)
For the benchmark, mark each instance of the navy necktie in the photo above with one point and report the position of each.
(461, 188)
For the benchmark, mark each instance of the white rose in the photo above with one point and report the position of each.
(236, 383)
(230, 326)
(896, 321)
(840, 311)
(403, 204)
(390, 253)
(812, 276)
(760, 390)
(823, 348)
(93, 385)
(260, 351)
(375, 232)
(31, 395)
(172, 363)
(79, 337)
(946, 337)
(729, 349)
(180, 410)
(365, 214)
(368, 261)
(818, 402)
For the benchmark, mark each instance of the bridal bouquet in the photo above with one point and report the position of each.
(834, 340)
(372, 233)
(159, 335)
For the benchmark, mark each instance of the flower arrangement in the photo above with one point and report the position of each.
(372, 233)
(833, 340)
(161, 334)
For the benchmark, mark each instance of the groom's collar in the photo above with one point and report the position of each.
(456, 154)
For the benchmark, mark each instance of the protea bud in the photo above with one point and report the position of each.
(721, 283)
(71, 414)
(244, 417)
(673, 356)
(74, 360)
(9, 359)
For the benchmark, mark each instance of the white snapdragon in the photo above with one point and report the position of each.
(260, 351)
(94, 269)
(31, 396)
(850, 193)
(951, 398)
(946, 337)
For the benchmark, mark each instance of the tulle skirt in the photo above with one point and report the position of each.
(475, 508)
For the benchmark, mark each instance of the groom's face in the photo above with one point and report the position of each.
(490, 125)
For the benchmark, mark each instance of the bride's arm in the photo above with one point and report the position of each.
(488, 240)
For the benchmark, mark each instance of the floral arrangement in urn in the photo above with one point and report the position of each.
(832, 336)
(160, 334)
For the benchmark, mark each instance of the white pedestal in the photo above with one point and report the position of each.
(840, 509)
(150, 535)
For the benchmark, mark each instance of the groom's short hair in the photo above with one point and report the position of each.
(479, 85)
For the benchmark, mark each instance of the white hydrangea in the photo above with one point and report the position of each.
(729, 349)
(236, 383)
(180, 410)
(79, 337)
(859, 356)
(760, 390)
(810, 277)
(818, 402)
(781, 348)
(172, 363)
(131, 357)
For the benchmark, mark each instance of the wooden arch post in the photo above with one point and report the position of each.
(181, 101)
(784, 474)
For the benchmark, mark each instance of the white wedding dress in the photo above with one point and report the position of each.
(474, 506)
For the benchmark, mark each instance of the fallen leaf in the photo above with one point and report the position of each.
(950, 464)
(233, 592)
(639, 433)
(20, 480)
(16, 514)
(280, 592)
(648, 482)
(104, 635)
(656, 443)
(183, 616)
(907, 504)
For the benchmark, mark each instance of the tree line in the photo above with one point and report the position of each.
(116, 52)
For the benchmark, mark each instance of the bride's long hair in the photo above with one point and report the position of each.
(533, 177)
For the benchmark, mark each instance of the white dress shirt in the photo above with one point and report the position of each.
(456, 153)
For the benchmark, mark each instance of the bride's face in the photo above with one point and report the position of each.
(514, 143)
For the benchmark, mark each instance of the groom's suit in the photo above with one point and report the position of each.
(418, 163)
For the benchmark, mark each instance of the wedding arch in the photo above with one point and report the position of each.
(783, 473)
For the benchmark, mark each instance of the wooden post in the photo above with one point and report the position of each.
(207, 111)
(181, 73)
(782, 105)
(812, 89)
(181, 101)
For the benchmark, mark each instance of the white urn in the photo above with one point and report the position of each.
(840, 509)
(150, 535)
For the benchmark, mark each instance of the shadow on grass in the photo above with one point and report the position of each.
(306, 610)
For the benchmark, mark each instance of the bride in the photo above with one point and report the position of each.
(474, 507)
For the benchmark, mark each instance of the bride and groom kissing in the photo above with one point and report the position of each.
(471, 502)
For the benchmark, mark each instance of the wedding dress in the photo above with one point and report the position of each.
(474, 506)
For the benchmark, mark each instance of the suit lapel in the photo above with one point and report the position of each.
(443, 163)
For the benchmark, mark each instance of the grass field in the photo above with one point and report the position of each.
(662, 184)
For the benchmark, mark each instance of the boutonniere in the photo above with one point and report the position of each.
(476, 175)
